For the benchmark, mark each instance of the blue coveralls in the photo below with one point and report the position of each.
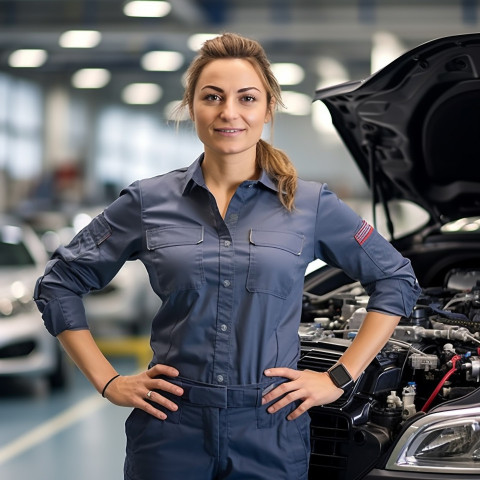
(231, 293)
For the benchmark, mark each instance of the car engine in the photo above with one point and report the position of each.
(432, 357)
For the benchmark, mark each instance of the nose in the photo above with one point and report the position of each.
(229, 110)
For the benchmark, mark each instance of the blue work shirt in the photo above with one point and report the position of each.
(231, 288)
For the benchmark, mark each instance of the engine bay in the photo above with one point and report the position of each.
(432, 357)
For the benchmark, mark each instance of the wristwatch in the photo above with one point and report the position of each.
(340, 376)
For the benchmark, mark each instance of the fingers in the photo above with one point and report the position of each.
(144, 391)
(158, 399)
(165, 386)
(287, 392)
(283, 388)
(155, 412)
(282, 372)
(160, 369)
(309, 387)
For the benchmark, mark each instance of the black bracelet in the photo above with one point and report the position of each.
(108, 383)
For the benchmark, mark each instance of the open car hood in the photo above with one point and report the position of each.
(414, 127)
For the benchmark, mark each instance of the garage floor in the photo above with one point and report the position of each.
(74, 434)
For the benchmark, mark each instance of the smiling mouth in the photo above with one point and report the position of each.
(228, 130)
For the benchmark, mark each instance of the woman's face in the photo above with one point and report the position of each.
(230, 107)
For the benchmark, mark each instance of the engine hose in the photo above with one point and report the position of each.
(442, 381)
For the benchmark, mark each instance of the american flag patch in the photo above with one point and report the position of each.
(363, 233)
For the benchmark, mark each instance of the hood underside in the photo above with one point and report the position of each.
(414, 127)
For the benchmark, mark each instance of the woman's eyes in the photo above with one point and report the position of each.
(213, 97)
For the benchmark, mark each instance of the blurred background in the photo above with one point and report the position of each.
(87, 90)
(87, 86)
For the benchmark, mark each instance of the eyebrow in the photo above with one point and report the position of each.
(220, 90)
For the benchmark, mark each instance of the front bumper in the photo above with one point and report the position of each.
(26, 348)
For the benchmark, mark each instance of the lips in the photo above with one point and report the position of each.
(229, 130)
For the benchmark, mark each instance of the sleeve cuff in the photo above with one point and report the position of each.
(66, 313)
(394, 296)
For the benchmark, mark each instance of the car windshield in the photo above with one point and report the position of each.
(13, 252)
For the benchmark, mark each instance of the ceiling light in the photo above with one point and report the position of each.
(27, 58)
(196, 41)
(147, 8)
(142, 93)
(321, 119)
(288, 73)
(80, 39)
(91, 78)
(330, 72)
(172, 111)
(162, 61)
(386, 48)
(296, 103)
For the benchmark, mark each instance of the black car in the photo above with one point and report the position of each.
(413, 128)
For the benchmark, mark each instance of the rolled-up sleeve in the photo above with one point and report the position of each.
(89, 262)
(346, 241)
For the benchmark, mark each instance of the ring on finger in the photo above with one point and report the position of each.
(149, 393)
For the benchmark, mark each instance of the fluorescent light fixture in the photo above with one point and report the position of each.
(296, 103)
(288, 73)
(91, 78)
(330, 72)
(386, 48)
(27, 58)
(142, 93)
(162, 61)
(171, 112)
(149, 8)
(196, 41)
(80, 39)
(321, 119)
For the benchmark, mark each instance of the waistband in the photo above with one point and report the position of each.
(230, 396)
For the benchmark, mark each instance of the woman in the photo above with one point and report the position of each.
(226, 242)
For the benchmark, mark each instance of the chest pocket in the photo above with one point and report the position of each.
(275, 262)
(177, 256)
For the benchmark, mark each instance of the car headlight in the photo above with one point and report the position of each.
(443, 442)
(17, 301)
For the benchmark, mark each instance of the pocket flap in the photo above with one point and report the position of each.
(291, 242)
(173, 236)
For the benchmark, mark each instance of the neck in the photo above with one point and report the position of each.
(223, 176)
(229, 171)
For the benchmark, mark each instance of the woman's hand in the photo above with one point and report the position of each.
(132, 390)
(313, 388)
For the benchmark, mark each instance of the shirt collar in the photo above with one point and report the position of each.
(194, 176)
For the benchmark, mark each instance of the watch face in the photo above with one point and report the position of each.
(339, 375)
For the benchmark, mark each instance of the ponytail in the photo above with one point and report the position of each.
(278, 166)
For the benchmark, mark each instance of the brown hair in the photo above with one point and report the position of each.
(230, 45)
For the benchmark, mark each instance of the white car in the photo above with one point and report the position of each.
(26, 348)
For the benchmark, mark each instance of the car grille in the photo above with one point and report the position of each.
(344, 445)
(329, 430)
(330, 438)
(20, 349)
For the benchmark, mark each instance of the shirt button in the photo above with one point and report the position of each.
(227, 243)
(223, 328)
(219, 378)
(226, 283)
